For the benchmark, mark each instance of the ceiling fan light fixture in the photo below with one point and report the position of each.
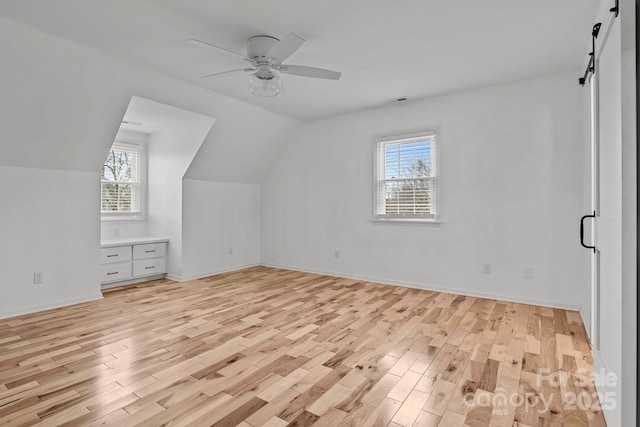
(265, 85)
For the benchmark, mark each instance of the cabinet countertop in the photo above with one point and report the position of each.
(119, 241)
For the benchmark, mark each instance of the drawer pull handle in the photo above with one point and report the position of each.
(148, 268)
(110, 274)
(111, 255)
(151, 251)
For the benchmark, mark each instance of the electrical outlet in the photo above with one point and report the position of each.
(528, 273)
(230, 251)
(38, 278)
(486, 268)
(336, 254)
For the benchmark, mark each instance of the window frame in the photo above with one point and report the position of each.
(436, 217)
(141, 149)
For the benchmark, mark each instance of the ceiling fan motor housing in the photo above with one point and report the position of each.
(259, 46)
(264, 72)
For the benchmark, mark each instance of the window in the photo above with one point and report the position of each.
(122, 183)
(406, 178)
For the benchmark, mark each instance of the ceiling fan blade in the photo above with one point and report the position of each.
(246, 70)
(318, 73)
(218, 48)
(285, 48)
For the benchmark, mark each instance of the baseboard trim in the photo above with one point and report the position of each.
(414, 285)
(131, 281)
(49, 306)
(212, 273)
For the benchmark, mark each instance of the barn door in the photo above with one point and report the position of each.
(604, 221)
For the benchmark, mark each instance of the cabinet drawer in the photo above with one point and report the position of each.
(115, 254)
(149, 267)
(115, 272)
(152, 250)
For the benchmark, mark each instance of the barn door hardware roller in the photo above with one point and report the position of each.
(591, 67)
(615, 9)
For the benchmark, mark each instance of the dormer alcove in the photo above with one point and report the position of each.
(168, 139)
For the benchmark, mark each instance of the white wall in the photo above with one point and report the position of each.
(511, 196)
(218, 216)
(43, 212)
(170, 154)
(113, 229)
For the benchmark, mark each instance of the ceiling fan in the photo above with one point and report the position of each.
(265, 54)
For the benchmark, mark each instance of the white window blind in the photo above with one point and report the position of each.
(121, 192)
(406, 173)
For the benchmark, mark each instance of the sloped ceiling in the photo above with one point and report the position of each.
(62, 104)
(385, 49)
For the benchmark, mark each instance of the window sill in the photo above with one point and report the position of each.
(407, 221)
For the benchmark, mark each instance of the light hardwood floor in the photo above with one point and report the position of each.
(269, 347)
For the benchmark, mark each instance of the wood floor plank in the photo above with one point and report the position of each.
(452, 419)
(427, 419)
(404, 387)
(439, 398)
(410, 409)
(269, 347)
(265, 414)
(383, 413)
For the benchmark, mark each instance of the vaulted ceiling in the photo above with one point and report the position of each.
(385, 49)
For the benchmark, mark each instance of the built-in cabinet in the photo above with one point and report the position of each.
(131, 260)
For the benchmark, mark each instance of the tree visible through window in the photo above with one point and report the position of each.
(406, 171)
(121, 192)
